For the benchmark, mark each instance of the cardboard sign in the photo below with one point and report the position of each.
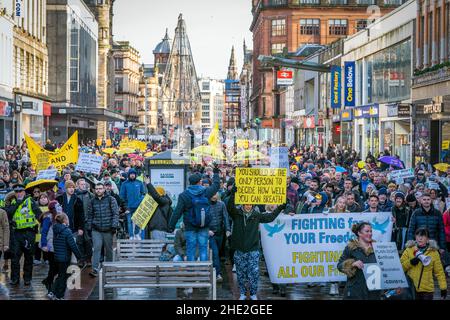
(89, 163)
(400, 175)
(47, 174)
(260, 186)
(145, 212)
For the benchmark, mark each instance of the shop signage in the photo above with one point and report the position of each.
(18, 9)
(336, 118)
(366, 112)
(347, 115)
(285, 78)
(336, 87)
(404, 110)
(309, 123)
(349, 83)
(432, 108)
(392, 110)
(30, 105)
(5, 109)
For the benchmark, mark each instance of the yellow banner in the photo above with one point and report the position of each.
(99, 142)
(214, 139)
(134, 144)
(59, 160)
(145, 212)
(445, 144)
(261, 186)
(108, 142)
(242, 143)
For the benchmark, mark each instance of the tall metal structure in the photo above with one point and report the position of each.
(180, 93)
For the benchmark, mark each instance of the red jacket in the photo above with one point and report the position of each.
(446, 217)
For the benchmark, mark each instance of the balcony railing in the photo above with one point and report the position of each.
(394, 2)
(338, 2)
(365, 2)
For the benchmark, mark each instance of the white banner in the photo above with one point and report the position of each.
(47, 174)
(90, 163)
(307, 247)
(400, 175)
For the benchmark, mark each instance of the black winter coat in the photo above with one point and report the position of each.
(356, 287)
(74, 210)
(64, 243)
(103, 214)
(161, 217)
(432, 220)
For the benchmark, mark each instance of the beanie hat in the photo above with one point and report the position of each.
(69, 184)
(411, 198)
(195, 178)
(382, 191)
(295, 180)
(400, 195)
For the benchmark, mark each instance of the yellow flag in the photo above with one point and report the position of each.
(61, 159)
(213, 139)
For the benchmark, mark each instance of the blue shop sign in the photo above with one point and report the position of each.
(349, 88)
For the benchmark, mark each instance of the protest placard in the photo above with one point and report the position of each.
(260, 186)
(89, 163)
(279, 157)
(399, 176)
(49, 174)
(306, 248)
(145, 212)
(42, 161)
(391, 275)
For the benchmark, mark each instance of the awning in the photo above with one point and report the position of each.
(97, 114)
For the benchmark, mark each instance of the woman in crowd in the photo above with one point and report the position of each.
(357, 253)
(421, 261)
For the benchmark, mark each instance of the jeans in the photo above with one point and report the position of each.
(132, 228)
(215, 243)
(158, 235)
(105, 240)
(197, 238)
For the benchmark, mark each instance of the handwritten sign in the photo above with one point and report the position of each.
(90, 163)
(47, 174)
(145, 212)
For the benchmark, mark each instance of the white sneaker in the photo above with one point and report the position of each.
(254, 297)
(219, 278)
(131, 238)
(137, 237)
(243, 297)
(447, 269)
(234, 268)
(51, 296)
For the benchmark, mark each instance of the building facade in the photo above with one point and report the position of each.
(6, 75)
(148, 101)
(103, 11)
(431, 82)
(127, 78)
(30, 63)
(73, 49)
(282, 26)
(212, 110)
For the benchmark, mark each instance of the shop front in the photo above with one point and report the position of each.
(6, 122)
(366, 120)
(32, 119)
(346, 128)
(396, 131)
(432, 130)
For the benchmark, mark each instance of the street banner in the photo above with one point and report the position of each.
(261, 186)
(279, 157)
(59, 160)
(307, 247)
(47, 174)
(214, 137)
(144, 212)
(336, 74)
(89, 163)
(171, 180)
(399, 176)
(349, 88)
(134, 144)
(387, 273)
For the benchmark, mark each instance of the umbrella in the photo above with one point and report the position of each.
(109, 150)
(123, 151)
(442, 166)
(208, 151)
(361, 164)
(136, 157)
(340, 169)
(149, 154)
(393, 161)
(249, 155)
(43, 185)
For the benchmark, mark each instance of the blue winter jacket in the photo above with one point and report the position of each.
(132, 193)
(64, 243)
(184, 203)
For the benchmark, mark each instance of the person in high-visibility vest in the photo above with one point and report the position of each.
(23, 213)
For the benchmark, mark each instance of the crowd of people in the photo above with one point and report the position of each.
(77, 220)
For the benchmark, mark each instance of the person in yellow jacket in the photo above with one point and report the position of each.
(421, 261)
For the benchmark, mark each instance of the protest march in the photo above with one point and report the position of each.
(299, 218)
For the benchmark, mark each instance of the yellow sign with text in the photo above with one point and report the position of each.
(134, 144)
(41, 159)
(445, 144)
(145, 212)
(261, 186)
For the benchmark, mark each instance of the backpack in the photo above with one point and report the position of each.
(199, 214)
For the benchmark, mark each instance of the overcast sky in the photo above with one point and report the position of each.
(213, 26)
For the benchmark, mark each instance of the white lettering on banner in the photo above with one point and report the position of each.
(90, 163)
(307, 247)
(400, 175)
(47, 174)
